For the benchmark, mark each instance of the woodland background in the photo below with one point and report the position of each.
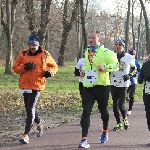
(62, 26)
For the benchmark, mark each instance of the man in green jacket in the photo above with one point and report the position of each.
(99, 62)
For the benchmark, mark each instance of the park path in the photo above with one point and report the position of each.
(67, 136)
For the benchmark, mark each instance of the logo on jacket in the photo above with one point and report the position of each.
(122, 66)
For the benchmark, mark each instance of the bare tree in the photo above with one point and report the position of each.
(139, 34)
(45, 14)
(146, 26)
(67, 25)
(84, 35)
(8, 25)
(133, 34)
(127, 26)
(30, 10)
(81, 31)
(0, 19)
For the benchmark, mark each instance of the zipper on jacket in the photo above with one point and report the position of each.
(91, 66)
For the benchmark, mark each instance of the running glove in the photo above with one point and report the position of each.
(134, 75)
(140, 80)
(77, 72)
(47, 74)
(126, 77)
(29, 66)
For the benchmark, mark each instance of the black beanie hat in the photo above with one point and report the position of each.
(33, 39)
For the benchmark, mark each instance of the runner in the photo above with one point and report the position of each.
(120, 82)
(133, 82)
(34, 65)
(99, 61)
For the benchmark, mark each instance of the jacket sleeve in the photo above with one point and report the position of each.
(133, 71)
(138, 65)
(18, 67)
(141, 76)
(78, 68)
(51, 64)
(112, 63)
(76, 72)
(133, 68)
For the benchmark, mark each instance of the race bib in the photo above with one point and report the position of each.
(117, 81)
(91, 76)
(25, 91)
(147, 87)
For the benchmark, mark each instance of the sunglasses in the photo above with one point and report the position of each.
(118, 44)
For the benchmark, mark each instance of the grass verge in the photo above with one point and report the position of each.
(59, 103)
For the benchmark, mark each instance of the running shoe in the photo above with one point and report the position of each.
(118, 127)
(126, 123)
(84, 144)
(104, 137)
(24, 139)
(40, 128)
(129, 112)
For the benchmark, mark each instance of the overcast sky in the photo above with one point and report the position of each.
(110, 5)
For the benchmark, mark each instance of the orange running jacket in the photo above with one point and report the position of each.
(33, 79)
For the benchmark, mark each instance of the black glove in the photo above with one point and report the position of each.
(140, 80)
(77, 72)
(47, 74)
(126, 77)
(134, 75)
(29, 66)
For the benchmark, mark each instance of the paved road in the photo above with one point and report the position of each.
(67, 136)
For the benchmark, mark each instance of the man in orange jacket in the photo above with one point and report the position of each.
(34, 65)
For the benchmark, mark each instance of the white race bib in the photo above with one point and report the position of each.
(25, 91)
(91, 76)
(147, 87)
(117, 81)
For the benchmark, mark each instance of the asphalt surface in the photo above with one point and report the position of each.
(68, 136)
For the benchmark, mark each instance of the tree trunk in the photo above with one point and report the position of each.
(0, 19)
(146, 26)
(133, 35)
(9, 59)
(78, 31)
(63, 45)
(67, 25)
(45, 13)
(127, 27)
(47, 44)
(9, 31)
(139, 35)
(29, 8)
(84, 35)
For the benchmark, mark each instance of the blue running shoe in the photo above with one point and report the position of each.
(104, 137)
(84, 144)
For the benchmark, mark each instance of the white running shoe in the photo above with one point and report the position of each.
(24, 139)
(84, 144)
(129, 113)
